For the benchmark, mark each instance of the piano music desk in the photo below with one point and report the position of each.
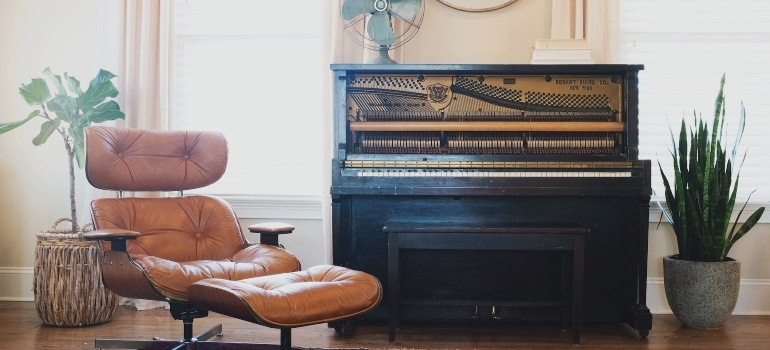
(537, 237)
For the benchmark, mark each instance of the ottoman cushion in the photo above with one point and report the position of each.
(322, 293)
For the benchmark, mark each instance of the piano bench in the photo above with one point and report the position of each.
(514, 237)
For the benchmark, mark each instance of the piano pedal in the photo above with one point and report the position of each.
(475, 315)
(495, 315)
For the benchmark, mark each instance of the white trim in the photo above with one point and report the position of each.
(754, 297)
(16, 284)
(655, 212)
(276, 207)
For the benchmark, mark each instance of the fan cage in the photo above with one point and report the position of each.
(356, 29)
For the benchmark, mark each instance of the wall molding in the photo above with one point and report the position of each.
(655, 211)
(754, 298)
(16, 284)
(276, 207)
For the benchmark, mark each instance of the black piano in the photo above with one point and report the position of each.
(481, 145)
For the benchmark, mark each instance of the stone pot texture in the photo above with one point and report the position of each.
(701, 294)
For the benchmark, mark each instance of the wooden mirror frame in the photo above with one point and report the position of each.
(472, 6)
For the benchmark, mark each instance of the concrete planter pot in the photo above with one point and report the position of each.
(701, 294)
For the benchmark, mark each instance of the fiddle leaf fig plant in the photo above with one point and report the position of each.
(703, 193)
(66, 109)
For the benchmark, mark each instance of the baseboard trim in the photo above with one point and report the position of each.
(754, 298)
(16, 284)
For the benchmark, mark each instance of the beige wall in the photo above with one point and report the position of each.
(35, 34)
(503, 36)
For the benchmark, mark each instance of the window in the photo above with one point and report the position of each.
(686, 46)
(252, 70)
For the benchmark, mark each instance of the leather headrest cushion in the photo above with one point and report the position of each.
(122, 159)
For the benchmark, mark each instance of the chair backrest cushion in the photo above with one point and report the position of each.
(123, 159)
(178, 228)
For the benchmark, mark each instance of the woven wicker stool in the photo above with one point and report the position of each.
(323, 293)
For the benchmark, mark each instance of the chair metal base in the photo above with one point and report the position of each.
(158, 343)
(199, 342)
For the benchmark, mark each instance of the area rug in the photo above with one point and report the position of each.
(247, 346)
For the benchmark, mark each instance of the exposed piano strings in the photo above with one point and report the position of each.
(416, 114)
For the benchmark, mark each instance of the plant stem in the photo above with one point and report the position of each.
(71, 161)
(73, 207)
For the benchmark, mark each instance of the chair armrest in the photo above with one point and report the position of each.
(269, 231)
(117, 237)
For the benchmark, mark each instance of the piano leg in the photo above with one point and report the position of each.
(643, 317)
(640, 318)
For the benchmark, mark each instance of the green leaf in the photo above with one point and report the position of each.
(64, 107)
(747, 225)
(96, 94)
(103, 112)
(102, 77)
(36, 92)
(6, 127)
(56, 81)
(46, 130)
(73, 84)
(78, 145)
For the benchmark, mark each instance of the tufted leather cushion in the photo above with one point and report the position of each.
(172, 278)
(177, 229)
(144, 160)
(322, 293)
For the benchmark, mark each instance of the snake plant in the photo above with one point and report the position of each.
(701, 201)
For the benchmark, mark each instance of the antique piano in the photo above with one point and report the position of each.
(493, 145)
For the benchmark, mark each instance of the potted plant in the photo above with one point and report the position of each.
(73, 295)
(701, 281)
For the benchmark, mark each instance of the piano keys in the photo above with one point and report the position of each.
(493, 145)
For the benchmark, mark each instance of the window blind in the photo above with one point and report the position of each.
(252, 70)
(686, 46)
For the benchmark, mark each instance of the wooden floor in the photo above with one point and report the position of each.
(21, 328)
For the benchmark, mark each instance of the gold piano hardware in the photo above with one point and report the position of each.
(489, 126)
(488, 165)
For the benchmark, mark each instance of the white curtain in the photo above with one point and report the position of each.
(146, 63)
(340, 49)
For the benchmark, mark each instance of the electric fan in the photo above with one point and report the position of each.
(380, 18)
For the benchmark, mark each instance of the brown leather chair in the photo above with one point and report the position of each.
(154, 248)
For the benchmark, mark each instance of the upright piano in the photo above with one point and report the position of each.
(493, 145)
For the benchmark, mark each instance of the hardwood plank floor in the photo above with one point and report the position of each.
(21, 328)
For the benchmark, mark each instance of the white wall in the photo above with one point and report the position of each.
(35, 34)
(64, 36)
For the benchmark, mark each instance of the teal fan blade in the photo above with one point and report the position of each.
(380, 29)
(353, 8)
(405, 9)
